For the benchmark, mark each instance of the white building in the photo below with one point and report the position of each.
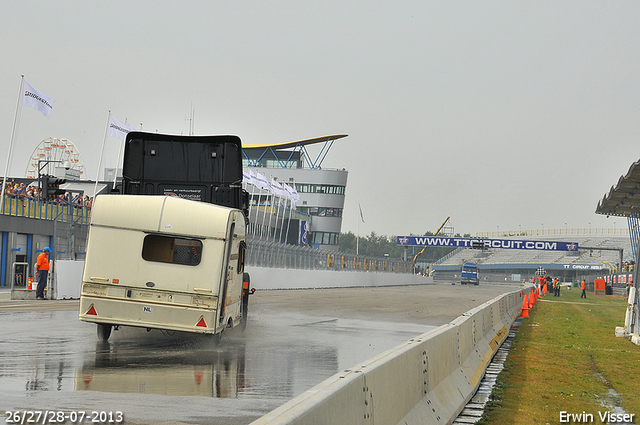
(322, 191)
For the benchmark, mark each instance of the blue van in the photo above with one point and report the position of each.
(470, 273)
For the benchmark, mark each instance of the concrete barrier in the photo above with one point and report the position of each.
(274, 278)
(428, 379)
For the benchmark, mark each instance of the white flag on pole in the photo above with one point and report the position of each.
(277, 189)
(262, 182)
(118, 129)
(254, 178)
(36, 100)
(293, 195)
(248, 178)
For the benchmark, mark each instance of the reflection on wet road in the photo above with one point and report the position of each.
(51, 361)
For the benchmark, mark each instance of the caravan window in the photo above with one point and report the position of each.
(241, 254)
(170, 249)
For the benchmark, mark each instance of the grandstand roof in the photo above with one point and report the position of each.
(285, 145)
(623, 199)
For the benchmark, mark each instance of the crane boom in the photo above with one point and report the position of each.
(437, 231)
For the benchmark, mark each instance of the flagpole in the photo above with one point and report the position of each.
(268, 200)
(16, 120)
(264, 207)
(284, 211)
(120, 152)
(358, 237)
(104, 141)
(274, 200)
(286, 236)
(253, 189)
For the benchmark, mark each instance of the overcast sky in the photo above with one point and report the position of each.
(498, 114)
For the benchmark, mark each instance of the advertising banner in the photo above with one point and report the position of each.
(304, 232)
(191, 193)
(488, 243)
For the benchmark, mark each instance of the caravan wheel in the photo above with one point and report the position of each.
(104, 331)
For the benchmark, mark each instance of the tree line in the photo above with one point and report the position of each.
(375, 245)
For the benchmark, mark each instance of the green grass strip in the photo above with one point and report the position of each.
(566, 358)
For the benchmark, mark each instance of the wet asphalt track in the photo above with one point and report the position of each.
(295, 339)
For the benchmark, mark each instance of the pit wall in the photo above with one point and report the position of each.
(274, 278)
(428, 379)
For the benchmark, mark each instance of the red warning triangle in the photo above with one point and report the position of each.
(87, 380)
(198, 376)
(92, 311)
(202, 323)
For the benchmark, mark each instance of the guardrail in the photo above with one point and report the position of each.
(596, 231)
(34, 208)
(428, 379)
(264, 253)
(260, 252)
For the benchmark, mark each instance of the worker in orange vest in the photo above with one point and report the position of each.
(42, 266)
(541, 282)
(583, 286)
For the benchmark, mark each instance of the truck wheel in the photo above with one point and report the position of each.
(104, 331)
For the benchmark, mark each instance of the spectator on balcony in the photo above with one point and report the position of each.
(77, 201)
(30, 194)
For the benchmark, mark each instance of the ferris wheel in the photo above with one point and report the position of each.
(53, 153)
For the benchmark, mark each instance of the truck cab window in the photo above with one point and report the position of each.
(169, 249)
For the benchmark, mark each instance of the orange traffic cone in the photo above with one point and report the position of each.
(532, 299)
(544, 289)
(525, 307)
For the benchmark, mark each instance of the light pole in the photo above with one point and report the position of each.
(44, 164)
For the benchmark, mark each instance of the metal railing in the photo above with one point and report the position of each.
(601, 231)
(35, 208)
(71, 232)
(264, 253)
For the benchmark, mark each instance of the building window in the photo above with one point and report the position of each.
(169, 249)
(320, 188)
(325, 238)
(321, 211)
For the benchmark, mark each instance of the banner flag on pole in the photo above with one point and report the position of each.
(36, 100)
(361, 216)
(118, 129)
(262, 181)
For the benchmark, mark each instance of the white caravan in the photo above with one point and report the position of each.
(163, 262)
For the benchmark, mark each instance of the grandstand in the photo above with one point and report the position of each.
(588, 262)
